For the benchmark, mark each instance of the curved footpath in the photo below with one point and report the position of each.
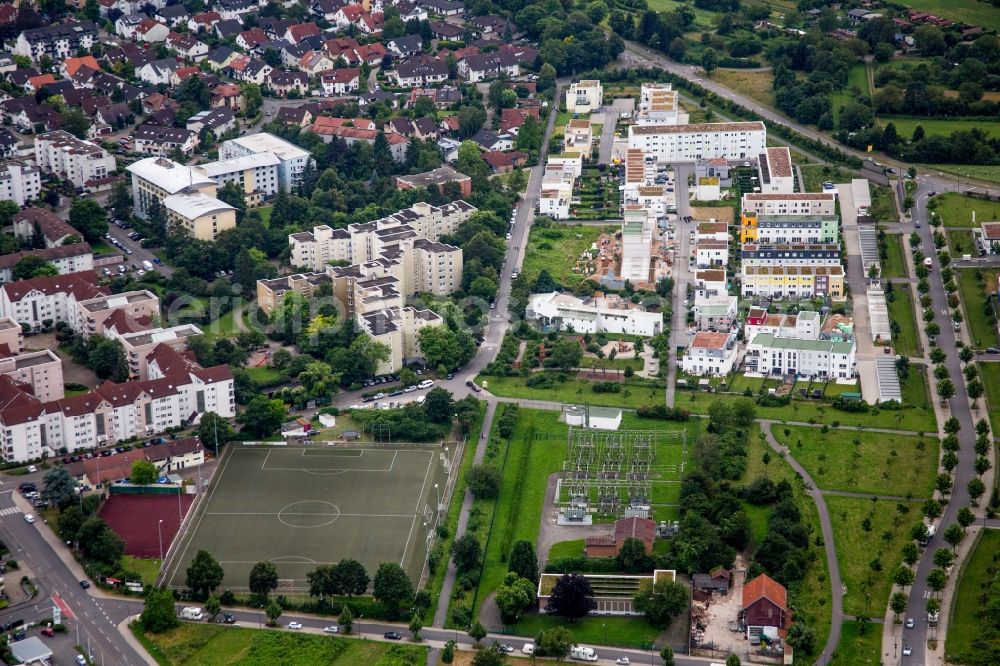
(833, 568)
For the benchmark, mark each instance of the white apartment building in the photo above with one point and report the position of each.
(710, 353)
(556, 194)
(19, 182)
(637, 244)
(112, 412)
(690, 143)
(659, 104)
(804, 325)
(711, 253)
(596, 314)
(323, 244)
(139, 345)
(58, 41)
(584, 96)
(256, 174)
(799, 203)
(774, 171)
(74, 258)
(62, 154)
(772, 355)
(398, 328)
(293, 160)
(46, 299)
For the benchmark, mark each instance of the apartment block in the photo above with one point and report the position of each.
(556, 194)
(46, 300)
(11, 337)
(637, 244)
(659, 104)
(58, 41)
(398, 328)
(584, 96)
(774, 171)
(139, 345)
(92, 316)
(710, 353)
(257, 175)
(792, 282)
(202, 216)
(271, 293)
(789, 229)
(80, 162)
(690, 143)
(19, 182)
(39, 370)
(791, 254)
(110, 413)
(596, 314)
(156, 178)
(799, 203)
(292, 159)
(772, 355)
(74, 258)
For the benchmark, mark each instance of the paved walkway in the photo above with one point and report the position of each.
(833, 568)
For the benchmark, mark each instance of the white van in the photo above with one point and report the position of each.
(529, 648)
(192, 613)
(147, 264)
(427, 383)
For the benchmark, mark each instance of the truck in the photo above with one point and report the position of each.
(583, 653)
(192, 613)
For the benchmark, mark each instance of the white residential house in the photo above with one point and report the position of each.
(584, 96)
(690, 143)
(710, 353)
(80, 162)
(826, 359)
(19, 182)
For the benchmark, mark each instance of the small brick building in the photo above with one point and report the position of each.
(643, 529)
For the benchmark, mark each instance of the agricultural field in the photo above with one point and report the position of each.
(973, 12)
(939, 126)
(221, 645)
(956, 210)
(973, 293)
(753, 83)
(869, 538)
(865, 462)
(965, 622)
(557, 247)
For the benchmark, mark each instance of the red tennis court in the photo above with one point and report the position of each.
(136, 519)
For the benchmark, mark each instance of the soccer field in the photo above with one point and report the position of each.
(300, 507)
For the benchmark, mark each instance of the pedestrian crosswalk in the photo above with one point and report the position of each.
(9, 511)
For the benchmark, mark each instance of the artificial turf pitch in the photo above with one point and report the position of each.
(300, 507)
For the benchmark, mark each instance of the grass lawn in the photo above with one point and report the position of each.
(265, 214)
(146, 568)
(626, 632)
(960, 242)
(989, 374)
(894, 265)
(811, 598)
(573, 392)
(835, 462)
(915, 419)
(965, 622)
(814, 175)
(939, 126)
(265, 376)
(563, 549)
(617, 363)
(972, 12)
(916, 392)
(856, 78)
(557, 249)
(856, 648)
(867, 589)
(989, 173)
(219, 645)
(702, 17)
(752, 83)
(436, 579)
(983, 332)
(884, 204)
(226, 324)
(906, 342)
(956, 209)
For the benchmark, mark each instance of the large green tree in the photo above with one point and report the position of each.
(523, 561)
(392, 587)
(60, 486)
(262, 417)
(204, 575)
(158, 614)
(514, 596)
(445, 348)
(144, 473)
(32, 266)
(571, 597)
(89, 218)
(439, 405)
(263, 578)
(214, 430)
(663, 602)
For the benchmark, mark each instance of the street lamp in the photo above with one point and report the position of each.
(438, 494)
(159, 533)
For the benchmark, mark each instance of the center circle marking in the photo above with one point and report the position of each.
(309, 513)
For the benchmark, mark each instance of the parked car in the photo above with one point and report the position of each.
(28, 518)
(393, 636)
(907, 650)
(294, 625)
(85, 584)
(909, 623)
(332, 629)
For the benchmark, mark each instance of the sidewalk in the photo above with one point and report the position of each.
(123, 629)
